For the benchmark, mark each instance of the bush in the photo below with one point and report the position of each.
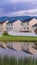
(36, 45)
(5, 33)
(35, 31)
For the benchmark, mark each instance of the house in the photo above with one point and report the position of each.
(13, 25)
(32, 23)
(9, 25)
(17, 26)
(21, 25)
(34, 27)
(25, 26)
(3, 26)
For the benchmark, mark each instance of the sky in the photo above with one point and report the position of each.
(18, 7)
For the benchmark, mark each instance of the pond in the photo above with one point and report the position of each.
(18, 49)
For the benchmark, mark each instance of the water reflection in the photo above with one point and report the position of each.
(18, 49)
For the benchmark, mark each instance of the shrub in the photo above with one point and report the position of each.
(36, 45)
(5, 33)
(35, 31)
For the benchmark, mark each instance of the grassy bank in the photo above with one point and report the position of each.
(6, 38)
(13, 61)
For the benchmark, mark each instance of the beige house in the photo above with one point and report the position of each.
(25, 26)
(3, 26)
(34, 27)
(18, 25)
(9, 26)
(31, 23)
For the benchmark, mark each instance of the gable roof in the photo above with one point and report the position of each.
(1, 22)
(34, 25)
(27, 20)
(11, 21)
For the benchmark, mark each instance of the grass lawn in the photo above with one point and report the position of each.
(6, 38)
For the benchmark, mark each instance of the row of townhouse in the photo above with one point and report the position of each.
(18, 25)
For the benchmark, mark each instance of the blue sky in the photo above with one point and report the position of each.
(18, 7)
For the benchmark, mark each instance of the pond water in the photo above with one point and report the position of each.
(17, 49)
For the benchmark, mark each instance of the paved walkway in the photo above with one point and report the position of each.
(22, 33)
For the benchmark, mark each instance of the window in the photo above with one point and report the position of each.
(28, 23)
(27, 28)
(22, 23)
(10, 28)
(24, 27)
(7, 29)
(24, 43)
(8, 24)
(1, 28)
(27, 44)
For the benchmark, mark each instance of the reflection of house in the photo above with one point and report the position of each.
(26, 46)
(23, 45)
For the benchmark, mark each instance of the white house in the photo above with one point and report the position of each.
(25, 26)
(9, 26)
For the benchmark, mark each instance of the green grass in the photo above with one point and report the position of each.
(18, 38)
(13, 61)
(8, 38)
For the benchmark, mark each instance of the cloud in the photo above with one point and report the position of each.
(32, 11)
(17, 7)
(12, 1)
(24, 12)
